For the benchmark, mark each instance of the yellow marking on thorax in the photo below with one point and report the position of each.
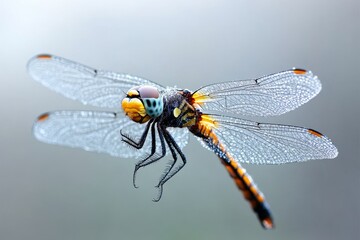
(190, 123)
(182, 105)
(189, 113)
(176, 112)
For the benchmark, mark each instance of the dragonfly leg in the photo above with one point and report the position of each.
(138, 145)
(163, 149)
(173, 153)
(170, 172)
(148, 160)
(153, 148)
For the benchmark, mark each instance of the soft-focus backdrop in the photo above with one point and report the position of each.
(51, 193)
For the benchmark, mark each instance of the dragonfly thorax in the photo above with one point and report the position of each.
(142, 103)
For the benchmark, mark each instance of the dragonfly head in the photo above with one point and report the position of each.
(142, 103)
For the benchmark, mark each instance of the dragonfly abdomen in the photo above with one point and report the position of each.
(241, 178)
(250, 191)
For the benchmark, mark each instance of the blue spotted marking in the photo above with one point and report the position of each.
(153, 106)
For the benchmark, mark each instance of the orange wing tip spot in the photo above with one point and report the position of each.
(315, 133)
(43, 117)
(299, 71)
(267, 223)
(44, 56)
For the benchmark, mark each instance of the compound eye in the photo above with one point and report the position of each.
(148, 92)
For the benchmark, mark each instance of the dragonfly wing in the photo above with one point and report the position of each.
(263, 143)
(96, 131)
(180, 135)
(76, 81)
(270, 95)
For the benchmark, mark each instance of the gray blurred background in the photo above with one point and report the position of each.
(52, 192)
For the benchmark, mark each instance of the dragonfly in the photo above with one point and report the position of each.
(145, 120)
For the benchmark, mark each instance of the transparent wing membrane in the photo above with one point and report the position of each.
(261, 143)
(76, 81)
(97, 131)
(266, 96)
